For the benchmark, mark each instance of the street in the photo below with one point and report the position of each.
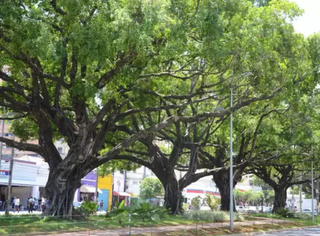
(294, 232)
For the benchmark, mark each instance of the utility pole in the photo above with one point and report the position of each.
(300, 195)
(2, 134)
(96, 193)
(312, 189)
(9, 192)
(318, 190)
(231, 159)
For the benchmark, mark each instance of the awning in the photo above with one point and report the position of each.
(89, 189)
(124, 194)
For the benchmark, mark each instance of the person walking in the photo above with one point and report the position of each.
(17, 204)
(101, 205)
(43, 204)
(30, 205)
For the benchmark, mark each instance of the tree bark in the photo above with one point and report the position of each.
(280, 198)
(221, 178)
(171, 187)
(60, 189)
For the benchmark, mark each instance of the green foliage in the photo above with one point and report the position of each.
(151, 188)
(302, 216)
(195, 202)
(248, 197)
(213, 202)
(214, 216)
(144, 211)
(283, 212)
(88, 208)
(147, 211)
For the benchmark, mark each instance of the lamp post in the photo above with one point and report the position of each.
(231, 160)
(312, 185)
(312, 188)
(9, 191)
(2, 134)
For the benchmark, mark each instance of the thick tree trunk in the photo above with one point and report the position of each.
(171, 187)
(173, 197)
(280, 198)
(221, 178)
(60, 189)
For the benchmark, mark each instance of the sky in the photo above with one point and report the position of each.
(309, 22)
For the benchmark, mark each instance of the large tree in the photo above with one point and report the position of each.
(242, 63)
(81, 70)
(67, 63)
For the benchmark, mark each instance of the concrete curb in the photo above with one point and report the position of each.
(272, 231)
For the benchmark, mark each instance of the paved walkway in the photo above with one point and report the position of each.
(315, 231)
(124, 231)
(36, 213)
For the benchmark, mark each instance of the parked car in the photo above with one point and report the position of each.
(266, 209)
(241, 209)
(308, 210)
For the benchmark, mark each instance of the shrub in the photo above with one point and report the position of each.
(213, 202)
(195, 202)
(302, 216)
(144, 211)
(282, 212)
(216, 216)
(88, 208)
(118, 213)
(148, 211)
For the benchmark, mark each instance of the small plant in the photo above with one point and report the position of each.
(148, 211)
(302, 216)
(195, 202)
(88, 208)
(216, 216)
(283, 212)
(118, 213)
(213, 202)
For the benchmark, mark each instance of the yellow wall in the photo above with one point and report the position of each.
(106, 183)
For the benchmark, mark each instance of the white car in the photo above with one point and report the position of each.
(308, 210)
(240, 209)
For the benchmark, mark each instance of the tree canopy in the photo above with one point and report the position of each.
(150, 188)
(115, 79)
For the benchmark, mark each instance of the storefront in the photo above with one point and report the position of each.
(105, 185)
(24, 181)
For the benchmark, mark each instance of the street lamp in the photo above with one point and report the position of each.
(231, 159)
(312, 186)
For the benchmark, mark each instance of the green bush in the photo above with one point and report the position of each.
(195, 202)
(88, 208)
(213, 202)
(282, 212)
(214, 216)
(147, 211)
(144, 211)
(302, 216)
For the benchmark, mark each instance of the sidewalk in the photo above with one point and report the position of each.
(36, 213)
(139, 230)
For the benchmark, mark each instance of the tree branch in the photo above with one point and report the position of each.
(22, 146)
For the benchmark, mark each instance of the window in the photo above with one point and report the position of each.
(60, 150)
(135, 183)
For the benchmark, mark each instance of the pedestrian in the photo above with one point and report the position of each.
(30, 204)
(43, 204)
(17, 204)
(101, 205)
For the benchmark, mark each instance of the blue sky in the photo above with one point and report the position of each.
(309, 23)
